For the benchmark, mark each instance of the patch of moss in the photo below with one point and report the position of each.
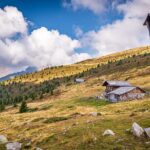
(91, 102)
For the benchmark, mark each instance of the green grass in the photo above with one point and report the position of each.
(88, 136)
(63, 122)
(91, 102)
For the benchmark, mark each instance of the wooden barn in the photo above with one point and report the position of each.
(112, 85)
(122, 91)
(79, 80)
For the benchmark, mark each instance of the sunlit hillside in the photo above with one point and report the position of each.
(60, 111)
(61, 71)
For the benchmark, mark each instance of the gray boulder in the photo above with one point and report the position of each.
(13, 146)
(108, 132)
(137, 130)
(147, 131)
(3, 139)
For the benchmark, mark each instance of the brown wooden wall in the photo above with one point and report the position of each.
(110, 88)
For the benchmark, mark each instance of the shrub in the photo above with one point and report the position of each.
(23, 107)
(2, 107)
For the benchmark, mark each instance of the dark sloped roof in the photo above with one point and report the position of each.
(147, 19)
(116, 83)
(123, 90)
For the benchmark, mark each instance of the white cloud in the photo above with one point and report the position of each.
(11, 22)
(135, 8)
(41, 48)
(78, 31)
(121, 34)
(4, 71)
(96, 6)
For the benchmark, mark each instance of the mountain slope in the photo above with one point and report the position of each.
(63, 119)
(45, 83)
(67, 70)
(13, 75)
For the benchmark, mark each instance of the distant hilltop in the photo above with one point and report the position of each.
(26, 71)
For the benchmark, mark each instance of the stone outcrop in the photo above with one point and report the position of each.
(137, 130)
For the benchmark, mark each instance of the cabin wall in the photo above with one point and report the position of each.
(112, 98)
(110, 88)
(134, 94)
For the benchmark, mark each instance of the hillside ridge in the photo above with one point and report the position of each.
(67, 70)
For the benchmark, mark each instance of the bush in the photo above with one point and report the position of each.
(2, 107)
(23, 107)
(119, 63)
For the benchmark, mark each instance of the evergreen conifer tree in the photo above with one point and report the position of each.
(2, 107)
(23, 107)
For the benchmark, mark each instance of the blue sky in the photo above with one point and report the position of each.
(45, 33)
(52, 14)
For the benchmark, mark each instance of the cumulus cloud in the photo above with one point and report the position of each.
(41, 48)
(121, 34)
(11, 22)
(135, 8)
(78, 31)
(96, 6)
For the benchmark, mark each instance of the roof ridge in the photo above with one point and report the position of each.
(121, 89)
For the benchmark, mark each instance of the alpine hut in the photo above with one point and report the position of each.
(122, 91)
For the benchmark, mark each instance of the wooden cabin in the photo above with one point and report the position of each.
(125, 93)
(79, 80)
(122, 91)
(112, 85)
(147, 22)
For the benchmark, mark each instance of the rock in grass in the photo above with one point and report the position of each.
(137, 130)
(147, 131)
(3, 139)
(93, 114)
(13, 146)
(108, 132)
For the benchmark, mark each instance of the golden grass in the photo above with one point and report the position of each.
(82, 130)
(67, 70)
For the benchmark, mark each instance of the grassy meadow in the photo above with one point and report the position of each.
(64, 120)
